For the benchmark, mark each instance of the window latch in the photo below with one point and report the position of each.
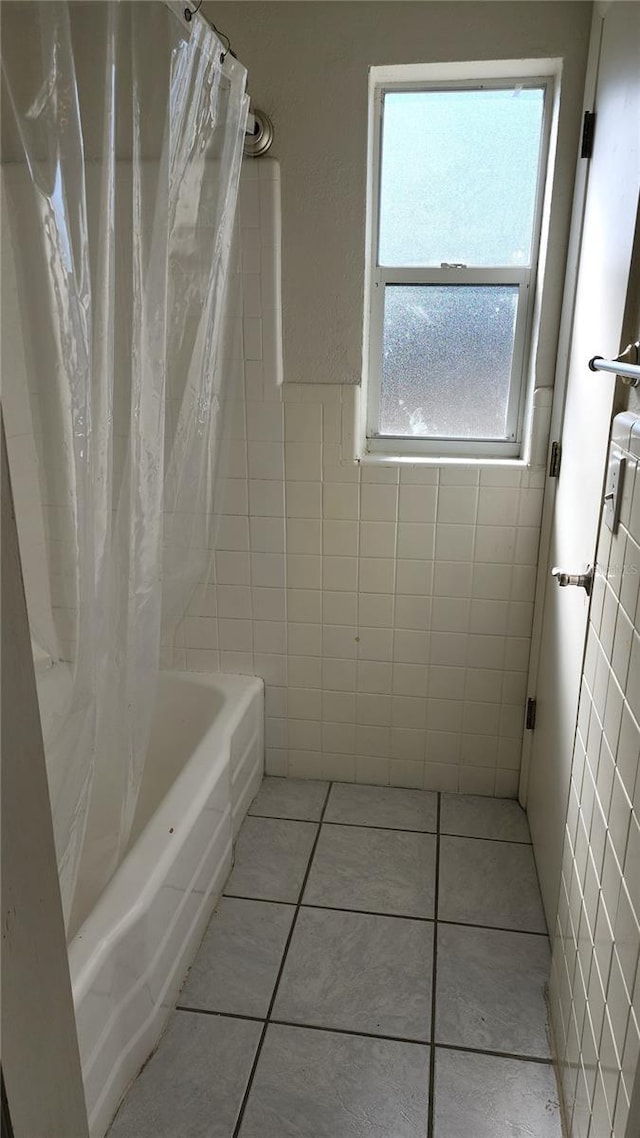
(452, 265)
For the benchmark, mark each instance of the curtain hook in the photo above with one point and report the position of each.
(223, 36)
(189, 14)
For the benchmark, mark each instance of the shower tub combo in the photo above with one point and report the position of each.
(130, 955)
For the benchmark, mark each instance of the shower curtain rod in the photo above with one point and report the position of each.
(629, 372)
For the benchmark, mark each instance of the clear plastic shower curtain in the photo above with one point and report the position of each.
(121, 161)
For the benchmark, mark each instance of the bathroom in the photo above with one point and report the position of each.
(367, 628)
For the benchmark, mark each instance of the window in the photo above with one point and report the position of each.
(457, 172)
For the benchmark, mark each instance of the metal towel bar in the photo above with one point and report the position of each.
(629, 372)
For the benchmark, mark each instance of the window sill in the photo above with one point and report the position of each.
(535, 445)
(368, 459)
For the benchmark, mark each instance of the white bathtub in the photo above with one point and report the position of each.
(131, 954)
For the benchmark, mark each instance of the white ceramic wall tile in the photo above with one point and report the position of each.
(303, 571)
(454, 542)
(456, 504)
(414, 576)
(339, 607)
(303, 423)
(413, 612)
(266, 460)
(418, 504)
(339, 706)
(340, 573)
(266, 498)
(339, 641)
(498, 505)
(304, 535)
(268, 604)
(376, 575)
(340, 501)
(304, 703)
(303, 461)
(339, 538)
(595, 985)
(268, 570)
(233, 601)
(265, 421)
(379, 503)
(304, 500)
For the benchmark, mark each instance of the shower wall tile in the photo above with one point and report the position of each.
(595, 986)
(388, 608)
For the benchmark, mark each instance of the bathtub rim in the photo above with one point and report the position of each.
(135, 882)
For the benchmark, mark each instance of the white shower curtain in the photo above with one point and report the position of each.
(125, 140)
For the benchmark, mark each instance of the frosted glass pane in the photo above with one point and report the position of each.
(458, 177)
(447, 360)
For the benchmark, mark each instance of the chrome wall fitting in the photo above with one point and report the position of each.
(258, 141)
(582, 580)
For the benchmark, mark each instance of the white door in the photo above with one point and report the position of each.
(595, 326)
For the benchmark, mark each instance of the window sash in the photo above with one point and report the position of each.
(455, 277)
(378, 276)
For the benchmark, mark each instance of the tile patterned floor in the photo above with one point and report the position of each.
(375, 969)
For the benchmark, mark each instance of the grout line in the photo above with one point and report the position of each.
(247, 1092)
(494, 1054)
(264, 900)
(392, 916)
(485, 838)
(366, 912)
(283, 818)
(396, 829)
(250, 1081)
(371, 1035)
(352, 825)
(434, 978)
(222, 1015)
(493, 928)
(347, 1031)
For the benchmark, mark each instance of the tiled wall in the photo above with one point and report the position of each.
(595, 989)
(387, 607)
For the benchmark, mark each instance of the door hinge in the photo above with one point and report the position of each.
(530, 721)
(555, 460)
(588, 131)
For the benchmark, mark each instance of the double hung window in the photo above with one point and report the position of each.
(457, 173)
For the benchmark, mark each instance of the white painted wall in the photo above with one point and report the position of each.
(308, 66)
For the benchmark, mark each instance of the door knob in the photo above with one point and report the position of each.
(584, 580)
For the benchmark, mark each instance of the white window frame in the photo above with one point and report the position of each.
(471, 76)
